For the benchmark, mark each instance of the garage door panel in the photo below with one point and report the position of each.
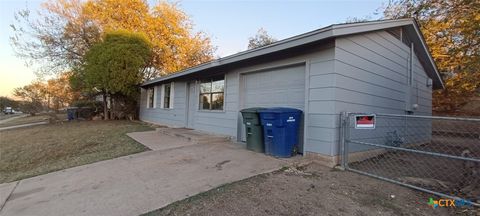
(284, 87)
(296, 97)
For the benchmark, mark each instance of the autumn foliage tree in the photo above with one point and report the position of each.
(32, 95)
(57, 40)
(59, 91)
(66, 29)
(167, 28)
(452, 31)
(53, 94)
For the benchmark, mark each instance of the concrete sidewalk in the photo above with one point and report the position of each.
(12, 118)
(135, 184)
(22, 125)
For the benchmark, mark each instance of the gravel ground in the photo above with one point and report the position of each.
(310, 190)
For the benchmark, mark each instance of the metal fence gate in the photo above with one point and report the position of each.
(438, 155)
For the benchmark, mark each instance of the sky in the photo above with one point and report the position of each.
(228, 23)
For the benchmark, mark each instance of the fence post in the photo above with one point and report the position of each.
(343, 129)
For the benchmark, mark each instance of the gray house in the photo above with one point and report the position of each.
(374, 67)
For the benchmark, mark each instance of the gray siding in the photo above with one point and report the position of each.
(221, 122)
(174, 117)
(321, 120)
(319, 64)
(372, 77)
(357, 73)
(229, 122)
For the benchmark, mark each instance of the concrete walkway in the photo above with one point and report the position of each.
(135, 184)
(12, 118)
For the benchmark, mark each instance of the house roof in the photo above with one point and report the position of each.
(410, 25)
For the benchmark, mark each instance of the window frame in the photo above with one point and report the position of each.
(170, 96)
(210, 94)
(151, 97)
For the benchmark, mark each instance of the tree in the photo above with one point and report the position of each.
(165, 26)
(31, 107)
(114, 66)
(60, 92)
(67, 29)
(451, 29)
(7, 102)
(32, 95)
(55, 93)
(358, 19)
(260, 39)
(57, 40)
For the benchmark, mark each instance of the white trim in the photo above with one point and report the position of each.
(148, 98)
(331, 31)
(187, 102)
(172, 87)
(149, 92)
(162, 96)
(162, 90)
(155, 96)
(306, 109)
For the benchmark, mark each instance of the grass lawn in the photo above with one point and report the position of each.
(37, 150)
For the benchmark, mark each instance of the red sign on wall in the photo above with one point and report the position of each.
(365, 121)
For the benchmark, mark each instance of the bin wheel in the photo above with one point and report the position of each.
(295, 150)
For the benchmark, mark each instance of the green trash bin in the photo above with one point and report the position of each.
(253, 128)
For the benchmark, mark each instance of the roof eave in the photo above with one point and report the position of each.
(309, 37)
(429, 56)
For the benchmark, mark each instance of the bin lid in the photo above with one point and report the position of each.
(252, 110)
(280, 110)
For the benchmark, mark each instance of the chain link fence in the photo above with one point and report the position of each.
(438, 155)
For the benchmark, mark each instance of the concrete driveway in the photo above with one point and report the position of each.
(139, 183)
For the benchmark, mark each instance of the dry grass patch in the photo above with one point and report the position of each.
(37, 150)
(312, 190)
(33, 119)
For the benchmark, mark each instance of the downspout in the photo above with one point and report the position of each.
(409, 108)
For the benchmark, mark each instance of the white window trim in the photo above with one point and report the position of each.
(155, 95)
(172, 90)
(148, 98)
(148, 93)
(162, 97)
(162, 92)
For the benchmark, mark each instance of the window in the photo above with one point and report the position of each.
(150, 97)
(166, 95)
(212, 94)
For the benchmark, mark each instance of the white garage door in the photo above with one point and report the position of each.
(283, 87)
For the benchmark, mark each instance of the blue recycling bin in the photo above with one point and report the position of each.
(72, 113)
(280, 129)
